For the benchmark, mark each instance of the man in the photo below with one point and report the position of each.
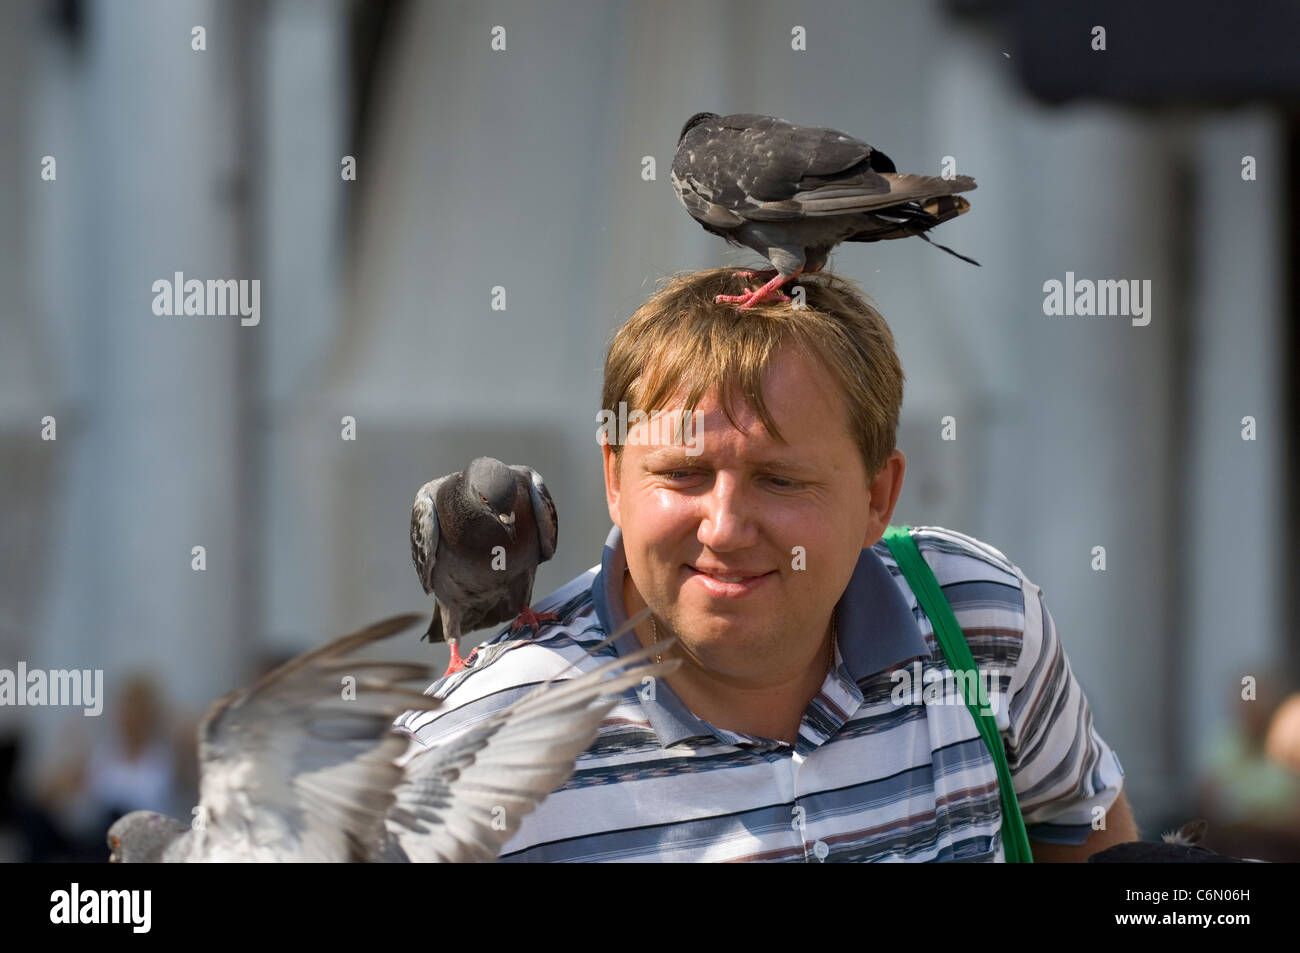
(749, 498)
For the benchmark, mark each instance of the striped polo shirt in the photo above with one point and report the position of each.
(888, 765)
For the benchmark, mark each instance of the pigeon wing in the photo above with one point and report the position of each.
(424, 531)
(295, 768)
(464, 799)
(852, 194)
(548, 527)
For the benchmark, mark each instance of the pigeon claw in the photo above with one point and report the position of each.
(457, 663)
(750, 298)
(528, 619)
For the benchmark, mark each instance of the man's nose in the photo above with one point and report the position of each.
(727, 521)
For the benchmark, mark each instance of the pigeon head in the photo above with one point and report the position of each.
(141, 837)
(695, 121)
(492, 486)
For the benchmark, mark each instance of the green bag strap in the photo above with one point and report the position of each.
(1015, 839)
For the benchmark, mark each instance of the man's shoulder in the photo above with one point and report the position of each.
(984, 589)
(954, 557)
(506, 667)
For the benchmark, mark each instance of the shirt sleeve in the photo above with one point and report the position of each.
(1063, 773)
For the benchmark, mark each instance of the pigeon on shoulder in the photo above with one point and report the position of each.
(477, 538)
(792, 193)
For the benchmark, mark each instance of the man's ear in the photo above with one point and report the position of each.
(885, 488)
(612, 482)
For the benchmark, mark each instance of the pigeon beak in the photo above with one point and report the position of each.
(508, 522)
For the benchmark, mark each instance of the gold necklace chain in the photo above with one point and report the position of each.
(830, 662)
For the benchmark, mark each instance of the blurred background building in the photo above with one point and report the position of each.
(524, 169)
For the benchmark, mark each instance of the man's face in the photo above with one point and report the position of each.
(713, 539)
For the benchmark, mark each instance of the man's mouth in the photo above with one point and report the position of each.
(728, 583)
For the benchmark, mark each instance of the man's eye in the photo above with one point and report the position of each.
(782, 483)
(675, 474)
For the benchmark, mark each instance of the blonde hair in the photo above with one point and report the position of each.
(681, 342)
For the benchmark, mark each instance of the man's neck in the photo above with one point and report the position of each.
(773, 708)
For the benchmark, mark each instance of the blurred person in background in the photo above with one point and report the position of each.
(134, 768)
(1251, 797)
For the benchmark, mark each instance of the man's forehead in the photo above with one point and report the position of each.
(807, 410)
(708, 423)
(710, 437)
(679, 456)
(737, 417)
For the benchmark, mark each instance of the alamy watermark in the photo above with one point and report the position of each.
(57, 687)
(130, 907)
(661, 427)
(216, 296)
(912, 686)
(1106, 296)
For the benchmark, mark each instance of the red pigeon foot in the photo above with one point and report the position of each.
(457, 663)
(765, 274)
(769, 290)
(527, 618)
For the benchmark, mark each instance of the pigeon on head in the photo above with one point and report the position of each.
(477, 538)
(792, 193)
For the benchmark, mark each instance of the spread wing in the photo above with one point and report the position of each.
(548, 527)
(757, 168)
(464, 799)
(299, 768)
(424, 531)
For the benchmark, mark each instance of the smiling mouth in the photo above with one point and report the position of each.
(736, 578)
(729, 584)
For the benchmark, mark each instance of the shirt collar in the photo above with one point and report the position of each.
(874, 620)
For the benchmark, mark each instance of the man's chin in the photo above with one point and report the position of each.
(722, 623)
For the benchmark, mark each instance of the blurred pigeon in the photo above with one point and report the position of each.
(477, 538)
(792, 193)
(292, 770)
(1176, 847)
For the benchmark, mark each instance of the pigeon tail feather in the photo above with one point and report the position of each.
(434, 632)
(948, 250)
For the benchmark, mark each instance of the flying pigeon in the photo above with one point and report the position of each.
(477, 538)
(292, 769)
(295, 770)
(792, 193)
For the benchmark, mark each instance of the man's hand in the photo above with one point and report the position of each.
(1120, 828)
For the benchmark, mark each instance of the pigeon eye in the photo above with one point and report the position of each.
(483, 498)
(116, 843)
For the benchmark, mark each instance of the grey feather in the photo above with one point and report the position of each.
(464, 799)
(548, 528)
(290, 771)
